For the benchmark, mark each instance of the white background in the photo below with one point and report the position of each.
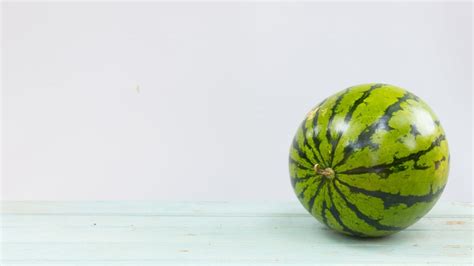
(222, 88)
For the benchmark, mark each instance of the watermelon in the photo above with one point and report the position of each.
(370, 160)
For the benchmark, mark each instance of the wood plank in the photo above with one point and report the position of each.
(151, 233)
(144, 208)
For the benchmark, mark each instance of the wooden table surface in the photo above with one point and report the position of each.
(216, 233)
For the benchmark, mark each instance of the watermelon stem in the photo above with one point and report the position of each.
(327, 172)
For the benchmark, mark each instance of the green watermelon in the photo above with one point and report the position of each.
(370, 160)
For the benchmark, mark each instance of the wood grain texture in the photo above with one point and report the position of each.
(216, 233)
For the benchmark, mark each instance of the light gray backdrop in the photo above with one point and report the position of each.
(200, 101)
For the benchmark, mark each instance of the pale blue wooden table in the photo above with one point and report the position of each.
(216, 233)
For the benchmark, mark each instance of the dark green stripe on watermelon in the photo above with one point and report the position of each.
(390, 200)
(363, 140)
(347, 118)
(318, 189)
(335, 213)
(315, 139)
(295, 180)
(303, 156)
(330, 122)
(384, 170)
(298, 164)
(362, 216)
(306, 146)
(323, 213)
